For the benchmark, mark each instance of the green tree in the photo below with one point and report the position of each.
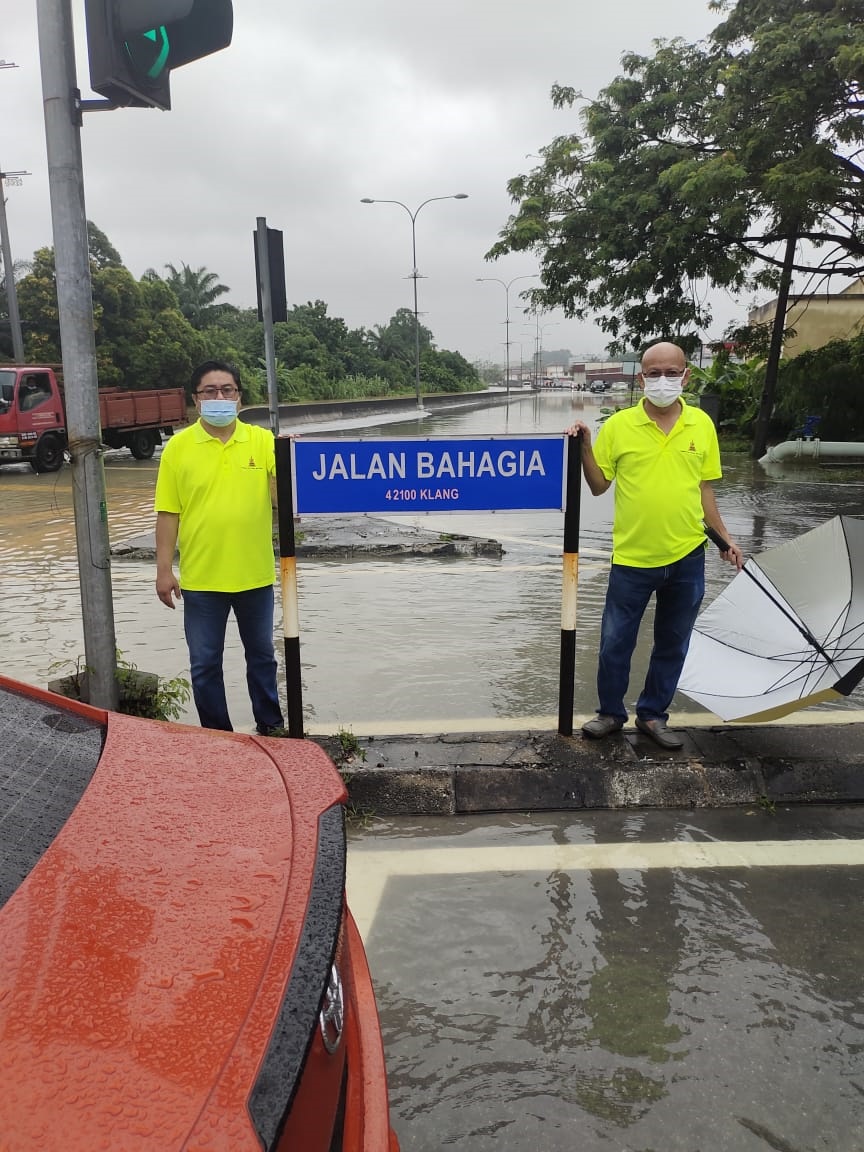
(20, 268)
(696, 166)
(443, 371)
(198, 291)
(153, 331)
(103, 254)
(37, 303)
(395, 339)
(825, 382)
(738, 384)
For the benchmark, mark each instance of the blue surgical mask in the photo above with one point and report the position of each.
(219, 413)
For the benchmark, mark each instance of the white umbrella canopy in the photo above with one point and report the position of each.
(787, 632)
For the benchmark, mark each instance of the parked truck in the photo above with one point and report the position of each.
(33, 417)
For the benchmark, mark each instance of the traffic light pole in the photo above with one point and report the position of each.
(266, 298)
(75, 307)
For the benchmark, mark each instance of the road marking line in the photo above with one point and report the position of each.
(549, 724)
(370, 869)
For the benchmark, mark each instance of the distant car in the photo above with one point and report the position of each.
(597, 386)
(179, 969)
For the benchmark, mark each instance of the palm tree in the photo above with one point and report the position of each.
(197, 290)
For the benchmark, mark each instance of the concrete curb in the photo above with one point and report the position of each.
(535, 771)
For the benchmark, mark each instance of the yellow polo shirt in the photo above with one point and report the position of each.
(221, 493)
(658, 478)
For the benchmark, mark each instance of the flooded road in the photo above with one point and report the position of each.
(392, 644)
(619, 982)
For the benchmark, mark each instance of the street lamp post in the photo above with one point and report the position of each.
(415, 275)
(538, 344)
(11, 294)
(505, 284)
(9, 268)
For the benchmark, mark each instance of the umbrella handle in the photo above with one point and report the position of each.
(717, 539)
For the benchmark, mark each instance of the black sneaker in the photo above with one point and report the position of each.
(277, 732)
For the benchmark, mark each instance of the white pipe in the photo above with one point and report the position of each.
(811, 449)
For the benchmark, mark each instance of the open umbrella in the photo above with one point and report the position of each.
(787, 632)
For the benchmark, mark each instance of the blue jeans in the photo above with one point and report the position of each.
(679, 589)
(205, 617)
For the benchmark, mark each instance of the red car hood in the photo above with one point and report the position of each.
(145, 956)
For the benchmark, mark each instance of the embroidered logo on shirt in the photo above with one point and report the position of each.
(692, 447)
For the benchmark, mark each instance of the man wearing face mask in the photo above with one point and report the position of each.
(662, 455)
(214, 497)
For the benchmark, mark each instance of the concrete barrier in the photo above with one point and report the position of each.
(332, 411)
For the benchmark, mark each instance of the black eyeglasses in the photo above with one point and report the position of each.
(229, 391)
(670, 374)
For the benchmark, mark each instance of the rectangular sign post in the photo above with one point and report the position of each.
(288, 584)
(569, 583)
(492, 474)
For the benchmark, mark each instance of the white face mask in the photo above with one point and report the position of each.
(663, 391)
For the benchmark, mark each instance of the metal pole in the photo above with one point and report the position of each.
(415, 275)
(537, 364)
(267, 317)
(288, 578)
(506, 284)
(507, 334)
(11, 291)
(570, 580)
(75, 307)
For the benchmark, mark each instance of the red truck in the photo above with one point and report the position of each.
(33, 418)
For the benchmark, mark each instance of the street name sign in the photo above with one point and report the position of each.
(492, 474)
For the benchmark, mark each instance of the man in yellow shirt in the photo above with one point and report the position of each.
(214, 497)
(662, 455)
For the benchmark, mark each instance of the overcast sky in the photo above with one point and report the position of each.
(318, 103)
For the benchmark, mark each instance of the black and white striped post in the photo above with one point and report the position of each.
(288, 584)
(569, 584)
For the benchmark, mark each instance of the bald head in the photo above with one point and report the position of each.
(663, 357)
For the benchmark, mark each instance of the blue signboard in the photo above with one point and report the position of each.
(492, 474)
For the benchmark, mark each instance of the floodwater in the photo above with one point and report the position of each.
(618, 981)
(392, 645)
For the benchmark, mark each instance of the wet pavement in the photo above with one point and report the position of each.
(630, 981)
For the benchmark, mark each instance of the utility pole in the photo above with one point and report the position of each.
(6, 250)
(75, 306)
(505, 284)
(9, 268)
(262, 252)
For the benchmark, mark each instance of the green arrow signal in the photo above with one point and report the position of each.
(159, 34)
(151, 57)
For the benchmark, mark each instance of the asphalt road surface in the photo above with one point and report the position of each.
(632, 981)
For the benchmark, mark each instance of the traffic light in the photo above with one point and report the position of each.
(276, 266)
(135, 44)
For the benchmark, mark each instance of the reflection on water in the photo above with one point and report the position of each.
(395, 640)
(642, 1008)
